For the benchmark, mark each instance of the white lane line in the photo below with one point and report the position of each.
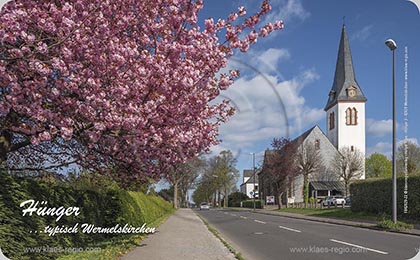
(353, 245)
(290, 229)
(243, 217)
(234, 215)
(258, 221)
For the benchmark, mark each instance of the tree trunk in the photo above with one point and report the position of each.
(305, 190)
(346, 184)
(279, 198)
(219, 199)
(226, 199)
(176, 195)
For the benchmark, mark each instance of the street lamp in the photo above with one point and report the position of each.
(393, 46)
(253, 167)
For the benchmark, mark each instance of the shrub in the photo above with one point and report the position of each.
(375, 196)
(250, 204)
(101, 203)
(235, 199)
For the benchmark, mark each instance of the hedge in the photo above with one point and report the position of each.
(250, 204)
(375, 196)
(101, 203)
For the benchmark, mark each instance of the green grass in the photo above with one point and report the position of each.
(341, 213)
(388, 224)
(227, 245)
(113, 249)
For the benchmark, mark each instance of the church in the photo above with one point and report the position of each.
(345, 127)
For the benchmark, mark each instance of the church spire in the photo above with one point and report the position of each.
(345, 86)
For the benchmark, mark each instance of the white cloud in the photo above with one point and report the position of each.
(363, 34)
(267, 107)
(268, 60)
(287, 10)
(382, 148)
(378, 128)
(386, 147)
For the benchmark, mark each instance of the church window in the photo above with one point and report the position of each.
(331, 120)
(317, 144)
(351, 116)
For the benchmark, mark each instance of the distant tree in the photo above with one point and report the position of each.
(235, 198)
(167, 194)
(377, 165)
(203, 192)
(348, 165)
(281, 166)
(408, 157)
(222, 173)
(183, 176)
(308, 160)
(192, 171)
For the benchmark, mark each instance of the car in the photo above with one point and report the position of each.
(348, 200)
(334, 200)
(204, 206)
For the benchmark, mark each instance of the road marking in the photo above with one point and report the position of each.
(243, 217)
(366, 248)
(234, 215)
(290, 229)
(258, 233)
(262, 222)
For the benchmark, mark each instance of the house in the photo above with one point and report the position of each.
(248, 182)
(345, 117)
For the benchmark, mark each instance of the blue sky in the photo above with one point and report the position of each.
(286, 91)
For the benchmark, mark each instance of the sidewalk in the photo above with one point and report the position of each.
(355, 223)
(183, 236)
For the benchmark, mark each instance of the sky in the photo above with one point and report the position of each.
(286, 77)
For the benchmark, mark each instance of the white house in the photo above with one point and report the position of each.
(248, 182)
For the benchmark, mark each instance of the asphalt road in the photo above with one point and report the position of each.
(264, 237)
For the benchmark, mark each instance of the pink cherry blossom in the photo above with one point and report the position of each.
(121, 83)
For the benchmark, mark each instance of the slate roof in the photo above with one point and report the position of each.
(328, 185)
(248, 173)
(251, 176)
(344, 77)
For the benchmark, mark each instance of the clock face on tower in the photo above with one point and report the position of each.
(351, 92)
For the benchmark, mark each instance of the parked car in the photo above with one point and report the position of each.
(204, 206)
(348, 200)
(334, 200)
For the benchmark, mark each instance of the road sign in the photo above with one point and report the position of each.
(270, 199)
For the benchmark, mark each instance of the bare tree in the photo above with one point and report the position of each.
(308, 160)
(348, 165)
(281, 166)
(183, 176)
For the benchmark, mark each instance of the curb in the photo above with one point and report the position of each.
(217, 234)
(329, 221)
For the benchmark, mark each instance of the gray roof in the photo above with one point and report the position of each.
(344, 77)
(251, 177)
(328, 185)
(248, 173)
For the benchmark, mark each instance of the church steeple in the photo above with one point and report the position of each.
(345, 86)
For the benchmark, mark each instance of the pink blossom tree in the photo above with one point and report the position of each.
(126, 82)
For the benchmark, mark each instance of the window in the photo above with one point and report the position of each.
(317, 144)
(351, 116)
(331, 120)
(352, 148)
